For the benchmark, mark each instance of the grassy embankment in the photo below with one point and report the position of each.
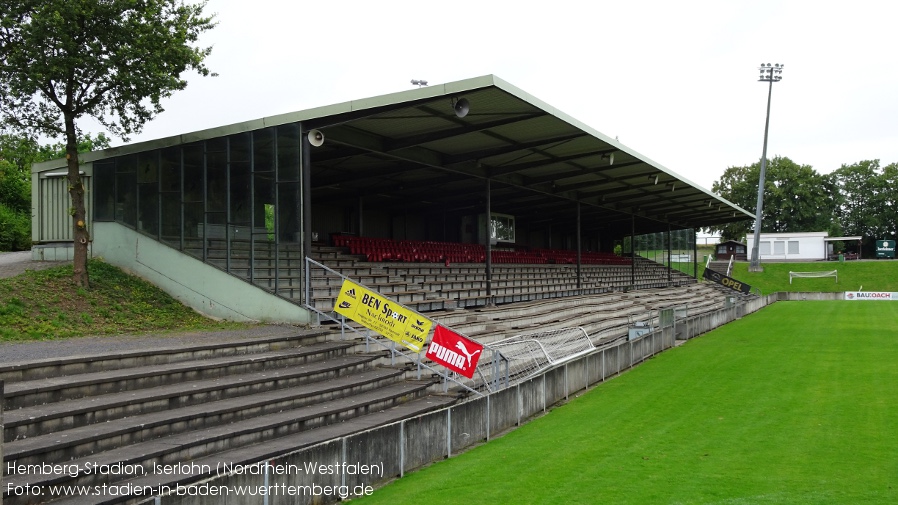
(873, 275)
(40, 305)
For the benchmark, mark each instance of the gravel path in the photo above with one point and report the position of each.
(15, 263)
(93, 346)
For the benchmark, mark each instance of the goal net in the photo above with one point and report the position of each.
(834, 273)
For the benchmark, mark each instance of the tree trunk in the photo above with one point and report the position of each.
(78, 210)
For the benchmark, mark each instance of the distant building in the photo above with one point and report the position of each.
(731, 249)
(802, 246)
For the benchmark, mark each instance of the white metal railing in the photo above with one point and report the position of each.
(526, 355)
(370, 337)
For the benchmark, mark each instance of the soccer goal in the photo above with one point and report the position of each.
(834, 273)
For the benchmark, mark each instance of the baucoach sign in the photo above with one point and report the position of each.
(729, 282)
(390, 319)
(871, 295)
(454, 351)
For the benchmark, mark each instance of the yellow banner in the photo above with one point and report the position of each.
(390, 319)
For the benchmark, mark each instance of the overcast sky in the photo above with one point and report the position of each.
(675, 81)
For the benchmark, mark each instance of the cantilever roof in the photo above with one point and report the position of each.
(409, 151)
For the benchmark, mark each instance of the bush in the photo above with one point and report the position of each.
(15, 229)
(15, 188)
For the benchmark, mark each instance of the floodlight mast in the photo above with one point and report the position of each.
(770, 74)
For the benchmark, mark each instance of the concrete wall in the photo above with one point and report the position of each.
(205, 288)
(805, 296)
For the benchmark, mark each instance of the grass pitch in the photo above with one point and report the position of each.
(795, 404)
(872, 275)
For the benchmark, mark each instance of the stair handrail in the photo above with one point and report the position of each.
(391, 347)
(730, 265)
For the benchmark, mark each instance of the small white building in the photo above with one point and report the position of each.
(790, 246)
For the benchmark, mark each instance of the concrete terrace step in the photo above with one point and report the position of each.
(36, 392)
(190, 446)
(97, 438)
(200, 467)
(33, 421)
(173, 353)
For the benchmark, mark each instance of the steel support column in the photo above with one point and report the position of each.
(579, 256)
(305, 168)
(488, 245)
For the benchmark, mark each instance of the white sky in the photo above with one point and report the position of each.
(675, 81)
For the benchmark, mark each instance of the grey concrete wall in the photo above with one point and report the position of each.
(505, 412)
(803, 296)
(468, 424)
(425, 439)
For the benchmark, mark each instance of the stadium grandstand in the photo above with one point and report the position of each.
(470, 203)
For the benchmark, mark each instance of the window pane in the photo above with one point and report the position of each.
(126, 189)
(104, 190)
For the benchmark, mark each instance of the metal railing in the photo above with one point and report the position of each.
(370, 337)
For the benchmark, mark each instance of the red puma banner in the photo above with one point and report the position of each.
(454, 351)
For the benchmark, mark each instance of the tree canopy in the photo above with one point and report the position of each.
(796, 198)
(112, 60)
(869, 199)
(860, 199)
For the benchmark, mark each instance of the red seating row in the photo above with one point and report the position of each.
(381, 249)
(586, 258)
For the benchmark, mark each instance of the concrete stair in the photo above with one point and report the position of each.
(225, 403)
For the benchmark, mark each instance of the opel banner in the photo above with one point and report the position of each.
(729, 282)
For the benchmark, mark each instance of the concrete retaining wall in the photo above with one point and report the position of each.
(804, 296)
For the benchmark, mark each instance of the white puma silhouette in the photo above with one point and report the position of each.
(461, 346)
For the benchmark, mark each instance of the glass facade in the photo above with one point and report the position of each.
(233, 202)
(675, 249)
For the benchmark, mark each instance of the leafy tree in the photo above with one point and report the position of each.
(796, 198)
(889, 208)
(86, 144)
(860, 188)
(113, 60)
(869, 200)
(17, 154)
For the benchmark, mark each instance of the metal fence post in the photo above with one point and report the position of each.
(265, 497)
(402, 448)
(449, 432)
(488, 419)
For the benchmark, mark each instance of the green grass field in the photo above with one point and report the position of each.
(795, 404)
(872, 275)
